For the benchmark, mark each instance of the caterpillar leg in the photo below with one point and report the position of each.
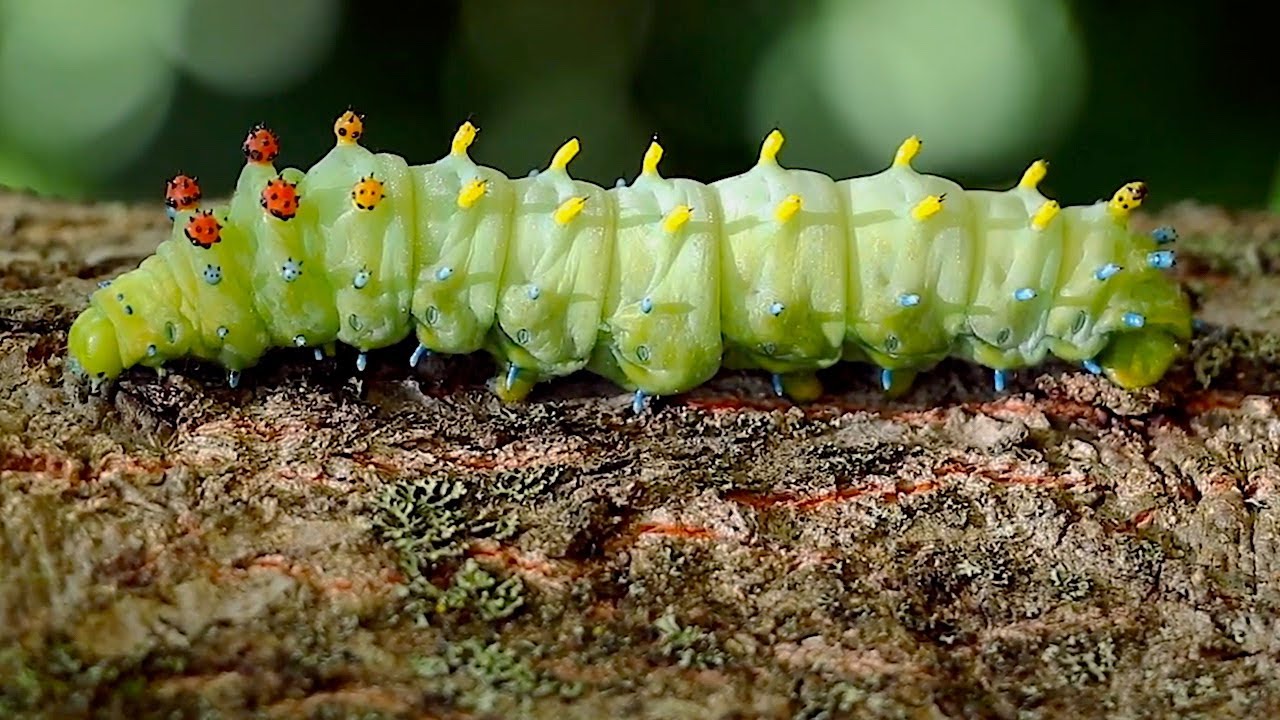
(896, 383)
(362, 361)
(639, 401)
(233, 378)
(1138, 359)
(418, 353)
(801, 387)
(513, 385)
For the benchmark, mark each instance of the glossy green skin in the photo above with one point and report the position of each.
(549, 299)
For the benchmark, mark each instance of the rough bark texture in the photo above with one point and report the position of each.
(313, 545)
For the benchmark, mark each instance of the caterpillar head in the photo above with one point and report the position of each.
(203, 230)
(92, 344)
(349, 127)
(367, 193)
(280, 198)
(262, 145)
(182, 192)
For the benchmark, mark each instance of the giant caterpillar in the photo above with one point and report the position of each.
(653, 284)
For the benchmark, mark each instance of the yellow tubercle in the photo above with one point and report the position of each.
(652, 157)
(1034, 174)
(771, 146)
(570, 209)
(367, 193)
(677, 218)
(463, 138)
(928, 207)
(349, 127)
(1045, 214)
(788, 208)
(1127, 199)
(565, 154)
(471, 193)
(907, 151)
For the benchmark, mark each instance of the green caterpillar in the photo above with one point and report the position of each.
(654, 284)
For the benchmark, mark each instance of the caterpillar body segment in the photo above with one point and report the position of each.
(653, 285)
(660, 331)
(464, 216)
(358, 208)
(783, 267)
(1014, 279)
(910, 278)
(291, 289)
(216, 289)
(554, 279)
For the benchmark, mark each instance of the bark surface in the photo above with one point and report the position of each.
(401, 545)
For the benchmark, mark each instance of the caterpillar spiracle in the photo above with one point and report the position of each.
(653, 284)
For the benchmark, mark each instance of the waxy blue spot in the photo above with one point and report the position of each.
(646, 305)
(444, 273)
(908, 300)
(1160, 259)
(1134, 320)
(776, 309)
(1023, 294)
(1107, 271)
(534, 293)
(1164, 235)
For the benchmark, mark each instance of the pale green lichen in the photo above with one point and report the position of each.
(431, 522)
(487, 677)
(688, 645)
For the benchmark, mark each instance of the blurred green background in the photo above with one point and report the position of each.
(107, 98)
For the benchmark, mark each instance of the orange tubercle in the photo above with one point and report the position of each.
(349, 127)
(203, 229)
(262, 145)
(367, 193)
(182, 192)
(280, 198)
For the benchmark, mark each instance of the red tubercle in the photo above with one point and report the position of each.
(262, 145)
(182, 192)
(280, 198)
(203, 229)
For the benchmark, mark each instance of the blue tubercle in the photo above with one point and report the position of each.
(1164, 235)
(1160, 259)
(1107, 271)
(777, 384)
(444, 273)
(534, 292)
(1134, 320)
(999, 378)
(1092, 366)
(776, 309)
(638, 402)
